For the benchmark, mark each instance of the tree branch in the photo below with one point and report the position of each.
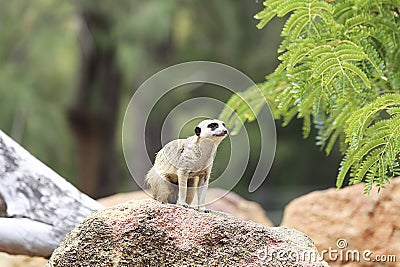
(40, 206)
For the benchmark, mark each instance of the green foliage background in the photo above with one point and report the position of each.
(339, 71)
(40, 56)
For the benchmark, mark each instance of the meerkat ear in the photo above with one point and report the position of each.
(197, 130)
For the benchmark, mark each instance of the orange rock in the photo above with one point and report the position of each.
(363, 223)
(7, 260)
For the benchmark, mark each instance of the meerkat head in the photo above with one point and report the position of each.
(212, 129)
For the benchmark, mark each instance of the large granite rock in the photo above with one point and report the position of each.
(148, 233)
(227, 202)
(217, 199)
(347, 220)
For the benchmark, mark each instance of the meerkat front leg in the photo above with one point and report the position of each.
(182, 183)
(201, 192)
(192, 185)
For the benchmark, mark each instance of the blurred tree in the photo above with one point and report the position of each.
(93, 115)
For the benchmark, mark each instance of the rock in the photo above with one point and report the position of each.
(232, 203)
(347, 218)
(148, 233)
(7, 260)
(218, 199)
(123, 197)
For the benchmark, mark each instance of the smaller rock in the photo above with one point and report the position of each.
(7, 260)
(347, 220)
(148, 233)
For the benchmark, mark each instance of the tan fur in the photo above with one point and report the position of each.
(182, 167)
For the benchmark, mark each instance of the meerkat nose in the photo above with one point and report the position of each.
(225, 132)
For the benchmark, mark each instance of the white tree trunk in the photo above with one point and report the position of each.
(37, 206)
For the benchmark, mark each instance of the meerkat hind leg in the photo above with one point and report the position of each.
(162, 190)
(173, 197)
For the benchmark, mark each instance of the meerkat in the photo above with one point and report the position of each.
(183, 166)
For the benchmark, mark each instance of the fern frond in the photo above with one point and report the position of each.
(297, 21)
(343, 10)
(339, 71)
(362, 118)
(374, 146)
(332, 127)
(245, 106)
(289, 6)
(268, 13)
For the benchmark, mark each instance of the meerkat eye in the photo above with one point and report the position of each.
(213, 126)
(223, 124)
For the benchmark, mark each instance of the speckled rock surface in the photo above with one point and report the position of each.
(148, 233)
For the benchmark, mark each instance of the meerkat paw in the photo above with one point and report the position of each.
(203, 209)
(183, 204)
